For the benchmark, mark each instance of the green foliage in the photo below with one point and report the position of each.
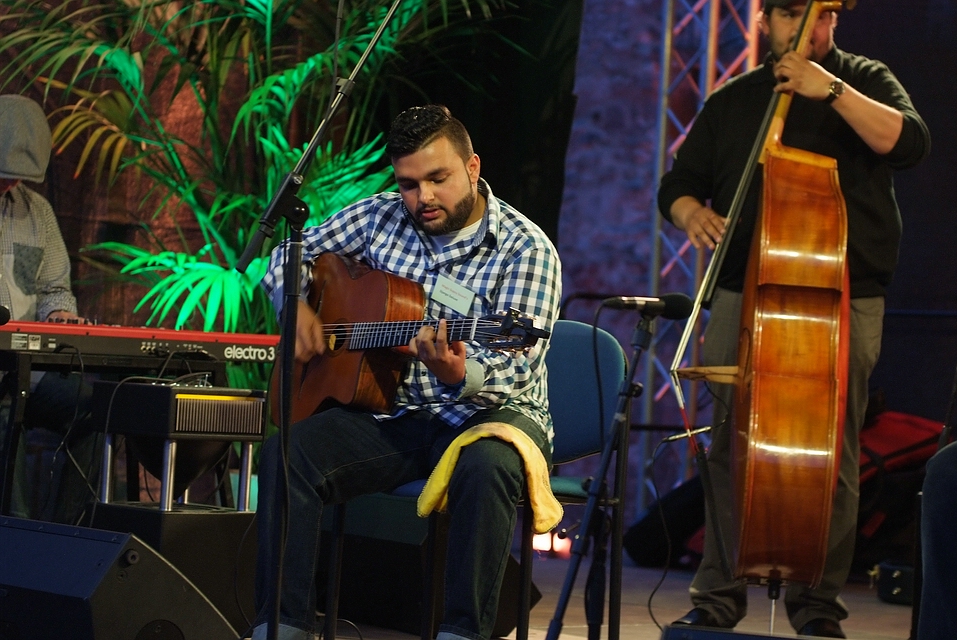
(255, 77)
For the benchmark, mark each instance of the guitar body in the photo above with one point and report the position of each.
(345, 291)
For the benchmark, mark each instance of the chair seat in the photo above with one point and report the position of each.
(409, 489)
(569, 487)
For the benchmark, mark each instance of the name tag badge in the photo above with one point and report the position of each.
(453, 295)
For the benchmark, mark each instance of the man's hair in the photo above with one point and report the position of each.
(770, 4)
(418, 127)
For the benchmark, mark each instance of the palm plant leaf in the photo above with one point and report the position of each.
(194, 287)
(103, 123)
(257, 73)
(54, 36)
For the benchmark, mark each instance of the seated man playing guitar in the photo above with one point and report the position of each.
(471, 255)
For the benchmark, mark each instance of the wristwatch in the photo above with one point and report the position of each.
(834, 91)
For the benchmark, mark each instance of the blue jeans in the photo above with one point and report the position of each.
(938, 615)
(340, 454)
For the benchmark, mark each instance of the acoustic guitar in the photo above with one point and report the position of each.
(368, 317)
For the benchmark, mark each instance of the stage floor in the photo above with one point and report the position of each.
(870, 617)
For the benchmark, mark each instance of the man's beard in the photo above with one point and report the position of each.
(455, 219)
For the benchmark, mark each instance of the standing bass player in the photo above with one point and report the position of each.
(845, 107)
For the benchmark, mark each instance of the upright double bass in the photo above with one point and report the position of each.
(791, 376)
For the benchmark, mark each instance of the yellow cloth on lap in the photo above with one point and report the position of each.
(546, 510)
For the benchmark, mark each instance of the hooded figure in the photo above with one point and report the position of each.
(25, 140)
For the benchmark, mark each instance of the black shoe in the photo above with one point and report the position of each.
(822, 628)
(698, 617)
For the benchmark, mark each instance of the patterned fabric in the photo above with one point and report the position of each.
(35, 268)
(508, 263)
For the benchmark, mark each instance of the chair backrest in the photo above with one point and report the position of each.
(574, 395)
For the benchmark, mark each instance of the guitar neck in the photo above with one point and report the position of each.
(371, 335)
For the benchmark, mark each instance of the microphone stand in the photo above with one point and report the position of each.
(286, 204)
(641, 340)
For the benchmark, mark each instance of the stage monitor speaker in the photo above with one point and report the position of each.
(383, 564)
(58, 581)
(215, 547)
(683, 632)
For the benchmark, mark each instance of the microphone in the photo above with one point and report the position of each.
(673, 306)
(4, 315)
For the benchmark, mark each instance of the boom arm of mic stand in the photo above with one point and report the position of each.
(292, 182)
(285, 204)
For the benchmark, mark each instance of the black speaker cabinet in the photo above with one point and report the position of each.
(384, 561)
(682, 632)
(58, 581)
(214, 547)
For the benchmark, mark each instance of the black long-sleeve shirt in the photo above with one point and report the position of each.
(711, 160)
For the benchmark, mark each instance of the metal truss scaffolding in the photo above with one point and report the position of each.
(703, 44)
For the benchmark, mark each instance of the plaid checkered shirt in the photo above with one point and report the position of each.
(508, 263)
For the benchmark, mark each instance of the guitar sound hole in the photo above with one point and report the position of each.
(336, 338)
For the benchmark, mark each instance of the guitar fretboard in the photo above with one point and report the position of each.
(371, 335)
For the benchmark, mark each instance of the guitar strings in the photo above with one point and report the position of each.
(410, 327)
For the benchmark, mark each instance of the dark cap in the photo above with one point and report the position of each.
(24, 139)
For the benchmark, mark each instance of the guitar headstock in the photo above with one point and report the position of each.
(510, 332)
